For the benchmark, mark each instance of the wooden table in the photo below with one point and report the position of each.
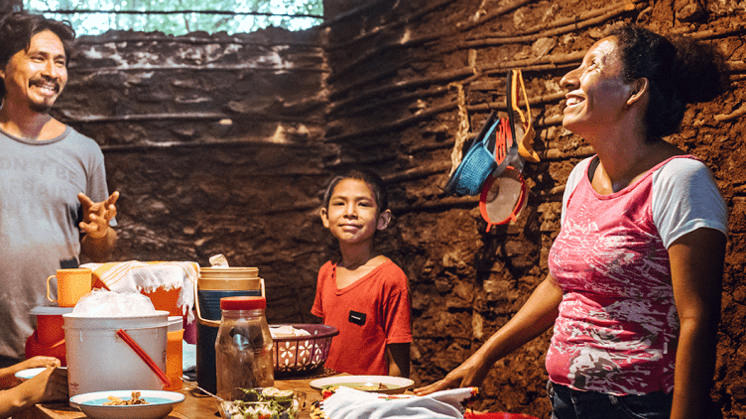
(196, 405)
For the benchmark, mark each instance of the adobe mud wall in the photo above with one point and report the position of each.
(222, 144)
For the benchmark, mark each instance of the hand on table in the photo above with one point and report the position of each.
(48, 385)
(96, 215)
(36, 362)
(469, 373)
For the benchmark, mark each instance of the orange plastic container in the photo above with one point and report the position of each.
(174, 356)
(165, 300)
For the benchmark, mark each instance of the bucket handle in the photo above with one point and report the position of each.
(216, 323)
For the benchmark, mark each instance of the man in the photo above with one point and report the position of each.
(52, 179)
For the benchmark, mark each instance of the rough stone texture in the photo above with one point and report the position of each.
(378, 87)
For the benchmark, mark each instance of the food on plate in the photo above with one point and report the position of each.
(317, 412)
(116, 401)
(361, 386)
(264, 403)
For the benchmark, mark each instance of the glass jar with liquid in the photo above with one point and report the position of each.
(243, 347)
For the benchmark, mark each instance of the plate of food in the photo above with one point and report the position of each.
(374, 383)
(127, 404)
(259, 403)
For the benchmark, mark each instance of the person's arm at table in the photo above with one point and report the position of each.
(397, 355)
(46, 386)
(696, 274)
(536, 316)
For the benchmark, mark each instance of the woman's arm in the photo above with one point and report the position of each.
(696, 273)
(536, 316)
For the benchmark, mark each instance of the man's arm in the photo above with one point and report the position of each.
(99, 249)
(100, 239)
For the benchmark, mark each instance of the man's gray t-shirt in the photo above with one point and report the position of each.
(39, 216)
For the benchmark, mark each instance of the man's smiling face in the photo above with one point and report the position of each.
(38, 74)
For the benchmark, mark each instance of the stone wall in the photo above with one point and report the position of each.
(223, 144)
(215, 145)
(395, 106)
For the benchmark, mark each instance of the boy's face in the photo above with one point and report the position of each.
(353, 215)
(36, 75)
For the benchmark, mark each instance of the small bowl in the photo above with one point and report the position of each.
(28, 373)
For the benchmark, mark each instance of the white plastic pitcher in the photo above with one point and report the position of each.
(97, 359)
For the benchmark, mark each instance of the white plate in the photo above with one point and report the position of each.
(365, 382)
(28, 373)
(159, 404)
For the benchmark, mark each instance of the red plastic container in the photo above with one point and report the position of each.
(49, 337)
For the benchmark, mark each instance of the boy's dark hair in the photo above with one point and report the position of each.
(374, 181)
(17, 29)
(679, 71)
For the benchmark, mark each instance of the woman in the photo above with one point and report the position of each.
(633, 290)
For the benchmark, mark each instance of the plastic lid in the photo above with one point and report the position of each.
(242, 303)
(50, 310)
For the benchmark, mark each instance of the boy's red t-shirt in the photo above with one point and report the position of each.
(370, 313)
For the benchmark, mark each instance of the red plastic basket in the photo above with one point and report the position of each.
(296, 354)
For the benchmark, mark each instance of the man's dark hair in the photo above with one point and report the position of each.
(17, 29)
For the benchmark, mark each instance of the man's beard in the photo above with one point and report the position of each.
(46, 103)
(41, 107)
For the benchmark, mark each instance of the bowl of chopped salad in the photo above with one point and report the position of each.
(262, 403)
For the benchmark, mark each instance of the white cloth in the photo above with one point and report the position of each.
(685, 198)
(136, 276)
(348, 403)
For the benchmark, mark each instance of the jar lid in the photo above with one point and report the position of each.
(242, 303)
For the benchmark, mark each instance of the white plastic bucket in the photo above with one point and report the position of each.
(97, 359)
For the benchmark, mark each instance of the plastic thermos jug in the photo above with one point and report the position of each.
(213, 284)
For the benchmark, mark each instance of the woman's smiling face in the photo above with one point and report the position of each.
(596, 91)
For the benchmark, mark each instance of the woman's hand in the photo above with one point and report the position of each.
(536, 316)
(470, 373)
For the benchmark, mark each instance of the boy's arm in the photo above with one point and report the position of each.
(397, 355)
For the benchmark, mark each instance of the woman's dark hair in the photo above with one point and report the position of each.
(373, 180)
(17, 29)
(679, 71)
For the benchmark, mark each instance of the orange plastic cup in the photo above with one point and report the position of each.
(174, 356)
(71, 285)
